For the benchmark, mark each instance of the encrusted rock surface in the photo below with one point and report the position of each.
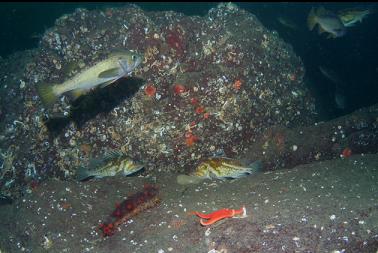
(220, 81)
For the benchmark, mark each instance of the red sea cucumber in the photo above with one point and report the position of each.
(130, 207)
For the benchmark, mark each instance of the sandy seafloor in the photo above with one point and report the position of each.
(327, 206)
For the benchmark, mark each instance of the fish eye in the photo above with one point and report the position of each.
(133, 57)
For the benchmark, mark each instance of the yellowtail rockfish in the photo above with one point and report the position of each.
(219, 168)
(112, 164)
(117, 65)
(327, 21)
(350, 17)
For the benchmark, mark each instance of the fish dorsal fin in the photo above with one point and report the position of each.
(116, 51)
(109, 73)
(95, 163)
(113, 154)
(321, 11)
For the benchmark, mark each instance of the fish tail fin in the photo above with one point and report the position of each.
(255, 167)
(311, 19)
(82, 174)
(47, 93)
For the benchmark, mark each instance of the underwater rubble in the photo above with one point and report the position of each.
(208, 85)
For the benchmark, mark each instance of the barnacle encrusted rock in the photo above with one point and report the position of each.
(220, 81)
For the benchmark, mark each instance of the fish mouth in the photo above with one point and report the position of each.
(138, 62)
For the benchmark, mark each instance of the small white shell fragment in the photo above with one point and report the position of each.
(295, 147)
(207, 232)
(22, 84)
(332, 217)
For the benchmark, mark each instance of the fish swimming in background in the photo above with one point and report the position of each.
(330, 74)
(340, 87)
(219, 168)
(327, 21)
(350, 17)
(287, 23)
(114, 163)
(117, 65)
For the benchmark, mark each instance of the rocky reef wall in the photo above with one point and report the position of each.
(208, 85)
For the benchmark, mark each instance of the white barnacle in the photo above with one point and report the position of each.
(9, 183)
(15, 122)
(114, 112)
(207, 232)
(22, 84)
(30, 170)
(47, 243)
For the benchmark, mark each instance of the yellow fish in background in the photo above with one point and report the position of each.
(350, 17)
(219, 168)
(117, 65)
(114, 163)
(327, 21)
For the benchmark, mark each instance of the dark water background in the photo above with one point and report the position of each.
(353, 57)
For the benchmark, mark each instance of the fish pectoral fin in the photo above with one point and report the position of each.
(236, 175)
(114, 72)
(127, 173)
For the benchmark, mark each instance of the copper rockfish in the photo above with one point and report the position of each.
(219, 168)
(114, 163)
